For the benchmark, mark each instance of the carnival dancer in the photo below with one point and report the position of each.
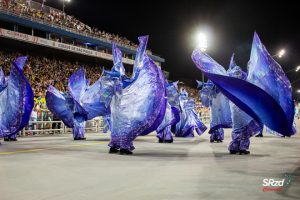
(266, 81)
(220, 115)
(16, 101)
(171, 118)
(82, 102)
(138, 106)
(189, 118)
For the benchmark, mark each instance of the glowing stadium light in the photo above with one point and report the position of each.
(201, 41)
(298, 91)
(298, 68)
(281, 53)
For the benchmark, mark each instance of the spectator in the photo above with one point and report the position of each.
(33, 119)
(56, 125)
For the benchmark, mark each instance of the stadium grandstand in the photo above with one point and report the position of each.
(33, 27)
(38, 21)
(57, 44)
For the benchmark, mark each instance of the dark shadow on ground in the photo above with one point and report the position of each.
(227, 154)
(98, 139)
(161, 154)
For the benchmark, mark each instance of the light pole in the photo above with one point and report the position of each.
(296, 69)
(63, 1)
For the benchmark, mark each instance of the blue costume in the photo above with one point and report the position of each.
(16, 101)
(220, 115)
(267, 74)
(189, 119)
(173, 95)
(82, 102)
(134, 106)
(139, 104)
(244, 126)
(172, 117)
(106, 124)
(266, 82)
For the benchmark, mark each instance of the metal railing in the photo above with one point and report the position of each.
(205, 118)
(45, 123)
(58, 127)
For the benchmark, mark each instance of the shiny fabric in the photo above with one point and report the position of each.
(173, 94)
(270, 131)
(82, 102)
(60, 105)
(220, 114)
(139, 107)
(268, 111)
(243, 125)
(138, 63)
(172, 117)
(189, 119)
(172, 114)
(268, 75)
(117, 59)
(217, 135)
(16, 100)
(140, 57)
(3, 82)
(79, 129)
(106, 124)
(165, 135)
(243, 128)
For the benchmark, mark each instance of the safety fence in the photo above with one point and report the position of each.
(45, 124)
(57, 127)
(205, 117)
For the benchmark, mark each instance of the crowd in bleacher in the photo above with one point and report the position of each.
(42, 71)
(54, 16)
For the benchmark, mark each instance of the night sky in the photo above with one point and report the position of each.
(172, 25)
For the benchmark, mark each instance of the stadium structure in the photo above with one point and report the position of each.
(31, 33)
